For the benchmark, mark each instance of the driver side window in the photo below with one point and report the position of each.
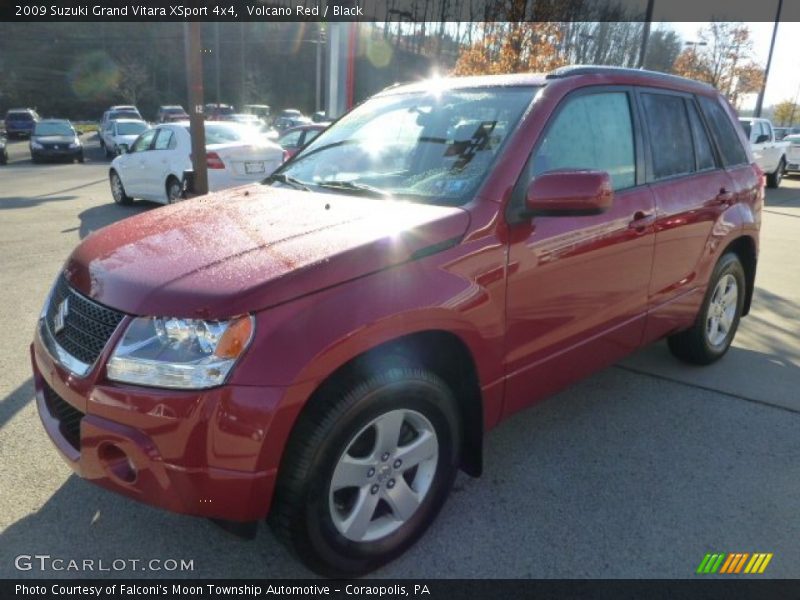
(592, 131)
(144, 141)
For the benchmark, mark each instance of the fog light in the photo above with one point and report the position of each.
(116, 463)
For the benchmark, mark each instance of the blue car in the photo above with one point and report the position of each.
(20, 122)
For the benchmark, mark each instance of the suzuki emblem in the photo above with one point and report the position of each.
(61, 316)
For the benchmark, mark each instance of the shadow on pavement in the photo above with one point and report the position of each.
(15, 401)
(19, 202)
(81, 521)
(98, 217)
(784, 196)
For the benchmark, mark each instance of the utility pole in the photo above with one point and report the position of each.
(216, 57)
(318, 103)
(194, 72)
(646, 33)
(760, 101)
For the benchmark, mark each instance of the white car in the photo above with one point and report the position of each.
(121, 133)
(153, 167)
(793, 153)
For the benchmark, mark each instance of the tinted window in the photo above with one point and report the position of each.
(721, 127)
(670, 137)
(748, 128)
(592, 131)
(702, 145)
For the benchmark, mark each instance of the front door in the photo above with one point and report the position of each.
(577, 285)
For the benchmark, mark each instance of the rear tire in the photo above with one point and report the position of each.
(174, 190)
(118, 190)
(774, 179)
(366, 470)
(712, 333)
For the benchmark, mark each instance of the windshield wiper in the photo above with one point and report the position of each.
(353, 185)
(286, 179)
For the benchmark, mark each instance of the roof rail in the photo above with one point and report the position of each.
(569, 71)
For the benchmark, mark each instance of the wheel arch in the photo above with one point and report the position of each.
(440, 351)
(745, 249)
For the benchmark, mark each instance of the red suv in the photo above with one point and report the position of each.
(328, 348)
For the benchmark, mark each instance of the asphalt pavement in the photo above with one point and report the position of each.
(638, 471)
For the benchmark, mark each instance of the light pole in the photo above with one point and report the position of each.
(646, 32)
(760, 100)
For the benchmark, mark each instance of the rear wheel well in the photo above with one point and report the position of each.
(745, 249)
(441, 352)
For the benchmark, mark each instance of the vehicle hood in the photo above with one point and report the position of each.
(53, 139)
(249, 248)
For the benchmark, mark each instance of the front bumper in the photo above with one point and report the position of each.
(192, 452)
(51, 153)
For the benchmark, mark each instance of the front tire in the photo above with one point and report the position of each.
(774, 179)
(118, 190)
(712, 333)
(366, 470)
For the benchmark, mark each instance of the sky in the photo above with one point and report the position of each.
(784, 76)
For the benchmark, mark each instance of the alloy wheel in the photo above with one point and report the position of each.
(383, 475)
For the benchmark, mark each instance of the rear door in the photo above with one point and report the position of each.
(158, 164)
(691, 189)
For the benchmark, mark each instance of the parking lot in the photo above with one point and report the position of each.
(636, 472)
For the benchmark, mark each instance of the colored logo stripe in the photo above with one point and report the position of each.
(734, 562)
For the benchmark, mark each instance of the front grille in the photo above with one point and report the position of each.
(87, 326)
(69, 417)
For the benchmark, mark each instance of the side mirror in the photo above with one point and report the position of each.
(123, 148)
(569, 192)
(762, 138)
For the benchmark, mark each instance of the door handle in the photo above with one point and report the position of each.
(641, 220)
(724, 197)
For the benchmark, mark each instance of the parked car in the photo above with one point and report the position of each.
(262, 111)
(330, 347)
(119, 134)
(321, 117)
(245, 119)
(153, 167)
(284, 123)
(769, 153)
(3, 150)
(172, 112)
(292, 140)
(793, 153)
(19, 122)
(55, 139)
(114, 114)
(218, 112)
(781, 132)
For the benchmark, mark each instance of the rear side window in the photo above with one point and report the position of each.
(702, 145)
(592, 131)
(164, 140)
(670, 136)
(730, 146)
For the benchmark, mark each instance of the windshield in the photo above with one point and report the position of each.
(123, 114)
(53, 129)
(429, 147)
(130, 128)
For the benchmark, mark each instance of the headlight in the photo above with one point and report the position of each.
(36, 145)
(179, 353)
(75, 144)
